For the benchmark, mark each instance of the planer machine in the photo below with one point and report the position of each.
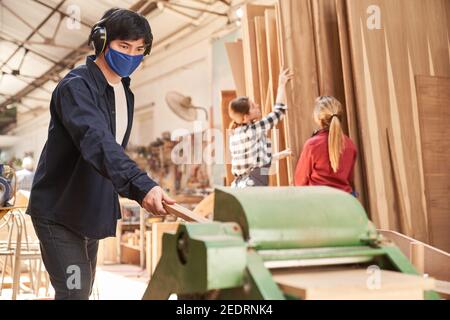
(283, 243)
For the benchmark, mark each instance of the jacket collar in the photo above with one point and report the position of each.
(99, 77)
(320, 132)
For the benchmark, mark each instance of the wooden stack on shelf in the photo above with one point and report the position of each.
(391, 75)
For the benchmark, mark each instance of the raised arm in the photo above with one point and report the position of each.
(285, 76)
(273, 118)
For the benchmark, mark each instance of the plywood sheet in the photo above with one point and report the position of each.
(384, 64)
(158, 229)
(433, 95)
(250, 54)
(236, 59)
(278, 136)
(353, 284)
(296, 35)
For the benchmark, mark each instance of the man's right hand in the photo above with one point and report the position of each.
(153, 201)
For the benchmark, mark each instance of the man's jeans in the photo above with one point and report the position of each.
(69, 258)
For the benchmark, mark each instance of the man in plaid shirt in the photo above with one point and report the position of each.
(251, 150)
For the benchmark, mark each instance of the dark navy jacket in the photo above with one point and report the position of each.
(82, 168)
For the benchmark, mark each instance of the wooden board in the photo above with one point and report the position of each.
(184, 213)
(351, 110)
(225, 99)
(278, 136)
(263, 66)
(158, 229)
(129, 254)
(264, 80)
(298, 53)
(250, 54)
(148, 253)
(385, 62)
(236, 59)
(108, 251)
(436, 261)
(206, 207)
(433, 95)
(353, 285)
(404, 216)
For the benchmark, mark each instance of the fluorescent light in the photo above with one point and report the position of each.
(240, 13)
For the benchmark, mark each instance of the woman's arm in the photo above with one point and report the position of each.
(282, 155)
(285, 76)
(273, 118)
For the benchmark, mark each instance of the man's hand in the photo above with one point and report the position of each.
(153, 201)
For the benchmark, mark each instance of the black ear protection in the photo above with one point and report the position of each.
(99, 36)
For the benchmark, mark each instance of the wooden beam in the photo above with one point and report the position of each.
(184, 213)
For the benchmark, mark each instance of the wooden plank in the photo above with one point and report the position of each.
(279, 136)
(433, 95)
(351, 110)
(385, 62)
(436, 261)
(184, 213)
(158, 229)
(297, 38)
(418, 256)
(404, 216)
(443, 288)
(369, 65)
(235, 53)
(129, 254)
(250, 54)
(142, 229)
(148, 253)
(108, 251)
(206, 207)
(353, 284)
(225, 99)
(263, 71)
(263, 66)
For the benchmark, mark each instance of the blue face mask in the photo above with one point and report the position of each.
(121, 63)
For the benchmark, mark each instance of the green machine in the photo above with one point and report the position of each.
(258, 230)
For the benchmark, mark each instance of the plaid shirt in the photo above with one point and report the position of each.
(250, 148)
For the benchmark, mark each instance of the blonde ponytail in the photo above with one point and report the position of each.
(335, 142)
(328, 112)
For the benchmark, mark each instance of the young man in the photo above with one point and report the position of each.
(83, 166)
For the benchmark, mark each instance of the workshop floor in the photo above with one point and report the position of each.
(113, 282)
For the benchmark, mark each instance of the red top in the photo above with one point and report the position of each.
(314, 167)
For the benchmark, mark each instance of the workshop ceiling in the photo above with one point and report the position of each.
(40, 40)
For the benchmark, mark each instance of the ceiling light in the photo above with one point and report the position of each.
(240, 13)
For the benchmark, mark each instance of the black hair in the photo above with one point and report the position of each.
(123, 24)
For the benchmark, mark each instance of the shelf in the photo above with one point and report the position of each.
(130, 246)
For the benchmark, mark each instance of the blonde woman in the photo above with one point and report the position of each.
(328, 158)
